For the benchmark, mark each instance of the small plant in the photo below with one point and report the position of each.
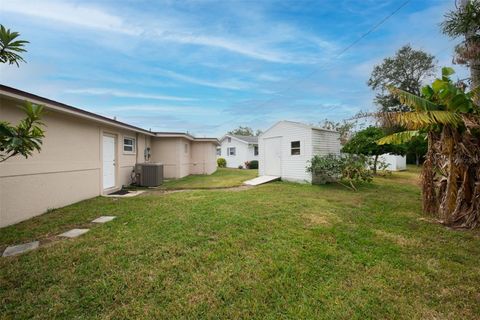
(26, 137)
(253, 164)
(346, 170)
(221, 162)
(240, 167)
(247, 164)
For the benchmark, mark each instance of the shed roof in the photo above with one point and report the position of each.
(301, 124)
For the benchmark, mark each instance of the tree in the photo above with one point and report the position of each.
(24, 138)
(417, 148)
(465, 22)
(10, 48)
(245, 131)
(406, 71)
(344, 128)
(451, 171)
(365, 142)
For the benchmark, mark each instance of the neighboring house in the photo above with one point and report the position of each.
(287, 146)
(238, 149)
(394, 162)
(85, 155)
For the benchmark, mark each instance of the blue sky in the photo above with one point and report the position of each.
(209, 66)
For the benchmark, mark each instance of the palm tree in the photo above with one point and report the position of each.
(10, 48)
(451, 172)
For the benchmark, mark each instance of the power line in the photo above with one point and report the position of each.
(351, 45)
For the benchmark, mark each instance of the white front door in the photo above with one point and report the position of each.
(273, 156)
(108, 162)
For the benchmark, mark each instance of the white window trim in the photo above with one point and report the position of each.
(134, 145)
(228, 152)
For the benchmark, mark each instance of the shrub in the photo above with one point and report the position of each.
(247, 164)
(253, 164)
(221, 162)
(240, 167)
(346, 170)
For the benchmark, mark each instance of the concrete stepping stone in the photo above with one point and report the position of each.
(21, 248)
(104, 219)
(74, 233)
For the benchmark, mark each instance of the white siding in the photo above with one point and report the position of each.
(293, 166)
(325, 142)
(251, 153)
(241, 155)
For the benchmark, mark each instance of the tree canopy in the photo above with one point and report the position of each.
(364, 142)
(25, 138)
(245, 131)
(465, 22)
(406, 71)
(10, 48)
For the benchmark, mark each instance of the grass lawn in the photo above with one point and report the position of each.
(222, 178)
(277, 251)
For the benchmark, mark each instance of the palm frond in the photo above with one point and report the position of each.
(417, 120)
(399, 137)
(415, 102)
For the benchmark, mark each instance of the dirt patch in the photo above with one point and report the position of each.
(398, 239)
(316, 219)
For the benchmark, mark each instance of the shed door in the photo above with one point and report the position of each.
(273, 156)
(108, 162)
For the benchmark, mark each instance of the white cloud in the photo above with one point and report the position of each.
(70, 13)
(125, 94)
(153, 109)
(176, 28)
(225, 84)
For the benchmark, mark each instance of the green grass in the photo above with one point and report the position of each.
(278, 251)
(222, 178)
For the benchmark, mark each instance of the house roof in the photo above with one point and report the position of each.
(303, 125)
(246, 139)
(65, 108)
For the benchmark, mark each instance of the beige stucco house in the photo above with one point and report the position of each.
(85, 155)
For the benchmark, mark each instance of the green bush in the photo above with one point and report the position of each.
(346, 169)
(221, 162)
(253, 164)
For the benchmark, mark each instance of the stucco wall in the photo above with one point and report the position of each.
(68, 168)
(182, 157)
(203, 158)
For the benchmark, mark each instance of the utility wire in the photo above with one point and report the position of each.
(351, 45)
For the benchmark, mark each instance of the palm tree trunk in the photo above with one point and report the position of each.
(429, 195)
(449, 199)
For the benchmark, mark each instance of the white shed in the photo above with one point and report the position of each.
(394, 162)
(287, 146)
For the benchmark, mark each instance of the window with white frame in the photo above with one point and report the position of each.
(255, 150)
(231, 151)
(219, 151)
(229, 139)
(128, 145)
(295, 148)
